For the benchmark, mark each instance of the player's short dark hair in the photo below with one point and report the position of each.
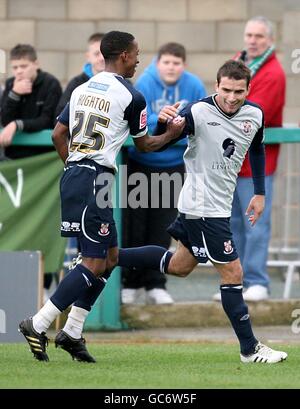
(234, 69)
(114, 43)
(94, 38)
(23, 51)
(175, 49)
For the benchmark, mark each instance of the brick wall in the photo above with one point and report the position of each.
(211, 30)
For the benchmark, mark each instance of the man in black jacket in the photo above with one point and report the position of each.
(94, 64)
(29, 100)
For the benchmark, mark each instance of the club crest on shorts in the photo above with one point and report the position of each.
(104, 229)
(246, 127)
(228, 249)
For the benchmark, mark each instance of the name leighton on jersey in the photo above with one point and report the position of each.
(92, 101)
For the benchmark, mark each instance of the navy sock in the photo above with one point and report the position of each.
(237, 312)
(71, 287)
(89, 296)
(152, 257)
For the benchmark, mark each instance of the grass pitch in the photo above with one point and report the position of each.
(147, 365)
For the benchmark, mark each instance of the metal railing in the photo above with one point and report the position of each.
(43, 138)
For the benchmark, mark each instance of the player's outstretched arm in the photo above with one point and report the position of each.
(255, 208)
(60, 139)
(154, 143)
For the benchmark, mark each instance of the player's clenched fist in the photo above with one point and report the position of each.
(168, 112)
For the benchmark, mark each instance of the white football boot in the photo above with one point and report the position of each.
(264, 355)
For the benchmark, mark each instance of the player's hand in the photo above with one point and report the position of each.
(168, 112)
(22, 87)
(7, 134)
(176, 126)
(255, 208)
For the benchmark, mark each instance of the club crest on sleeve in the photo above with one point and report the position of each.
(104, 229)
(143, 118)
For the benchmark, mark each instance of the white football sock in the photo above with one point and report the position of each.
(75, 321)
(44, 318)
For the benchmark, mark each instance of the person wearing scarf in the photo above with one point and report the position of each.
(268, 91)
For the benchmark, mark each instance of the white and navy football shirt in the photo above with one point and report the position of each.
(217, 146)
(103, 112)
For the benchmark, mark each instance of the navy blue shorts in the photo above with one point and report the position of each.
(207, 238)
(86, 210)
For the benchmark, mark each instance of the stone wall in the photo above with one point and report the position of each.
(211, 30)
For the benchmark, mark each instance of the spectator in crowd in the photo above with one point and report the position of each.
(28, 104)
(267, 90)
(29, 101)
(164, 82)
(94, 64)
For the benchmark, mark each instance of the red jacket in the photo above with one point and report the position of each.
(268, 91)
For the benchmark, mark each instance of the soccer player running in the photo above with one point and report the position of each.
(101, 115)
(221, 129)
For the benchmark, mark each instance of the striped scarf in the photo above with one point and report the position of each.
(257, 62)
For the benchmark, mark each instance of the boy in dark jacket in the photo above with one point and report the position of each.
(29, 100)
